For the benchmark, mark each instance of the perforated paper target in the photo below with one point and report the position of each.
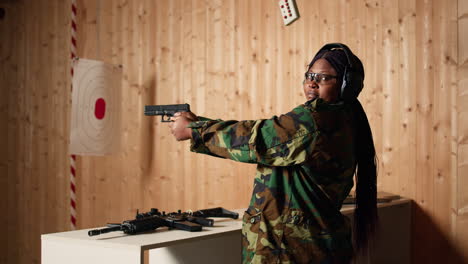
(96, 111)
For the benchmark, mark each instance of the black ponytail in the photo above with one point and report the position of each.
(365, 215)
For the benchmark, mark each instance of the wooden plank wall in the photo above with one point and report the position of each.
(460, 117)
(4, 53)
(6, 45)
(35, 89)
(230, 59)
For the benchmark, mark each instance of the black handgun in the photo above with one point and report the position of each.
(166, 110)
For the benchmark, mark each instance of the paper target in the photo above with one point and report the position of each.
(96, 111)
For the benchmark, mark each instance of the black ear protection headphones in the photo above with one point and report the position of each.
(353, 77)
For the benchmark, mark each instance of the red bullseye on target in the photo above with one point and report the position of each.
(100, 108)
(96, 110)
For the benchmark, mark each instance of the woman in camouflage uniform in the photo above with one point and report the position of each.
(306, 160)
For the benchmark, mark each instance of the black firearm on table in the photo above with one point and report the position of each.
(188, 221)
(166, 110)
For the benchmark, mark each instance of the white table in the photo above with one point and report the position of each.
(218, 244)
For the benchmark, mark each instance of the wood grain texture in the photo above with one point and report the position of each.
(408, 94)
(35, 81)
(8, 73)
(230, 59)
(460, 109)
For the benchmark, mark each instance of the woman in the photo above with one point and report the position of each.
(306, 160)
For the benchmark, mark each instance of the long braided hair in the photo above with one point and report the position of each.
(365, 215)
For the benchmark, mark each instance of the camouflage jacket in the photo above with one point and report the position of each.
(305, 165)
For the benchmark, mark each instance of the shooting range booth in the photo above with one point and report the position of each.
(78, 152)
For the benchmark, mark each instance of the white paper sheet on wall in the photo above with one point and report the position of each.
(96, 108)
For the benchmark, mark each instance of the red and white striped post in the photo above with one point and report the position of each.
(73, 157)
